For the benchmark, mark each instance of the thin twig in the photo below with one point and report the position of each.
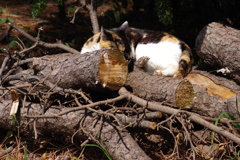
(41, 43)
(78, 108)
(192, 116)
(7, 56)
(74, 15)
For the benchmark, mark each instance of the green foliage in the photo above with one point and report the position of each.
(38, 7)
(60, 2)
(117, 9)
(15, 13)
(26, 28)
(25, 157)
(164, 11)
(10, 133)
(235, 125)
(12, 42)
(10, 20)
(102, 148)
(231, 117)
(1, 9)
(6, 20)
(14, 119)
(71, 9)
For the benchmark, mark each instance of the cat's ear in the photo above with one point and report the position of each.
(123, 27)
(103, 34)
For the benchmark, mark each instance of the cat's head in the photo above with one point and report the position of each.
(114, 38)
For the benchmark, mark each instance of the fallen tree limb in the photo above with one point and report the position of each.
(171, 111)
(105, 68)
(119, 143)
(218, 45)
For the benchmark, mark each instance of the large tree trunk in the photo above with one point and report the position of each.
(219, 46)
(118, 143)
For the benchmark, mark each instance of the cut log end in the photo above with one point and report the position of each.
(113, 69)
(184, 95)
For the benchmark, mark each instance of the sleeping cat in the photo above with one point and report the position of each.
(160, 53)
(114, 38)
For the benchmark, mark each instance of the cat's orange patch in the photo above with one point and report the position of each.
(115, 36)
(170, 38)
(114, 43)
(185, 56)
(91, 41)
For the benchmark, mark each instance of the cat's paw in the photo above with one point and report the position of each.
(142, 61)
(158, 73)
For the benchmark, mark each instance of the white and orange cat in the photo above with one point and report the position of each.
(162, 53)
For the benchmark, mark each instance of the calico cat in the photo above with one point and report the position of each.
(159, 53)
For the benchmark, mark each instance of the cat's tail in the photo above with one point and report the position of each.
(185, 63)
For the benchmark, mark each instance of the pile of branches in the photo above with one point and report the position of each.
(133, 115)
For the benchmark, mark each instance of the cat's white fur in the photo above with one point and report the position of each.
(91, 49)
(163, 57)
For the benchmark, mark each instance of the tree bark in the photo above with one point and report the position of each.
(108, 69)
(214, 95)
(92, 8)
(97, 70)
(219, 46)
(119, 143)
(174, 91)
(205, 93)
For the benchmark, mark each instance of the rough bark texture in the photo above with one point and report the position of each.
(178, 92)
(213, 95)
(108, 68)
(219, 46)
(105, 68)
(119, 144)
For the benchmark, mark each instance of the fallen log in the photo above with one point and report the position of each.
(173, 91)
(107, 68)
(97, 70)
(118, 143)
(213, 94)
(204, 93)
(218, 45)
